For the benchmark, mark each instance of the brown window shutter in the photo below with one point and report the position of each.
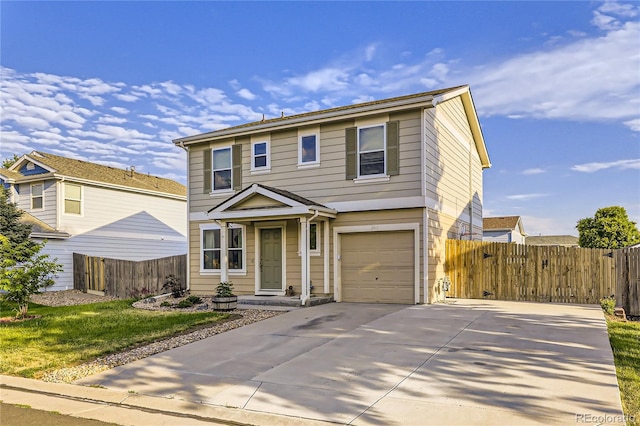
(236, 158)
(351, 138)
(393, 149)
(207, 170)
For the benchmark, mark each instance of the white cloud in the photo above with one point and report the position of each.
(534, 171)
(620, 165)
(120, 110)
(525, 197)
(126, 97)
(246, 94)
(588, 79)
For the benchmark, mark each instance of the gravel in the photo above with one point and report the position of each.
(240, 317)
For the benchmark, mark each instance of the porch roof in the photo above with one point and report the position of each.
(284, 204)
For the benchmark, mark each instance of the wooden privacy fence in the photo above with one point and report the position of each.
(505, 271)
(126, 278)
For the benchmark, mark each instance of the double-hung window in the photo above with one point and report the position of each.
(72, 198)
(211, 256)
(308, 150)
(221, 169)
(260, 156)
(37, 196)
(371, 151)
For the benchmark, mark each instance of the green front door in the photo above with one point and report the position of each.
(271, 259)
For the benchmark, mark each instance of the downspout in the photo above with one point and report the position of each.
(470, 192)
(186, 149)
(306, 291)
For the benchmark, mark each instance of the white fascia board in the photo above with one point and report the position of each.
(316, 119)
(380, 204)
(286, 211)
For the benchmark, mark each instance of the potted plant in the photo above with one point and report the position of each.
(224, 299)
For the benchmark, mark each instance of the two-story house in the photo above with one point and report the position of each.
(354, 202)
(96, 210)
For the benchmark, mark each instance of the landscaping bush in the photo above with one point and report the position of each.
(608, 305)
(173, 284)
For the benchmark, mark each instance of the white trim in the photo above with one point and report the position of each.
(317, 251)
(326, 259)
(315, 131)
(372, 178)
(384, 151)
(213, 169)
(425, 255)
(378, 204)
(385, 227)
(275, 212)
(209, 226)
(282, 225)
(222, 192)
(31, 208)
(267, 167)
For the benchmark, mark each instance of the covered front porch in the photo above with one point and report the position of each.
(282, 232)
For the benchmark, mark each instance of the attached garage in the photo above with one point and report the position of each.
(378, 267)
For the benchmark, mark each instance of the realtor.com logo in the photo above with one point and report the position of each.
(604, 418)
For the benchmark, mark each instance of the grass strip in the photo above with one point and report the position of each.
(65, 336)
(625, 342)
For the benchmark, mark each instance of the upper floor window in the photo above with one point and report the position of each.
(37, 196)
(221, 169)
(371, 151)
(260, 156)
(308, 150)
(211, 248)
(72, 198)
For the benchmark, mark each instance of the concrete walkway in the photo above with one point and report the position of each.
(468, 362)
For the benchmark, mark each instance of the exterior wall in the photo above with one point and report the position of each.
(332, 187)
(50, 194)
(101, 208)
(454, 170)
(111, 247)
(497, 236)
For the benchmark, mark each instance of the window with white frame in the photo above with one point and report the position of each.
(314, 239)
(211, 248)
(260, 156)
(72, 198)
(371, 150)
(308, 150)
(37, 196)
(221, 169)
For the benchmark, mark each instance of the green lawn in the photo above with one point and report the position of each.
(70, 335)
(625, 342)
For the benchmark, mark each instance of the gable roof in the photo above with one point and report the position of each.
(41, 229)
(553, 240)
(9, 175)
(502, 223)
(83, 170)
(424, 99)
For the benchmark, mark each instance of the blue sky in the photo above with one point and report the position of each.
(556, 84)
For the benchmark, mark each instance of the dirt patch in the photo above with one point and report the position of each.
(14, 319)
(68, 298)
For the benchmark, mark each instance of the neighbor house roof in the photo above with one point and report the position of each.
(503, 223)
(84, 170)
(9, 175)
(425, 99)
(553, 240)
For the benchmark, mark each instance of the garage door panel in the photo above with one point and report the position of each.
(378, 267)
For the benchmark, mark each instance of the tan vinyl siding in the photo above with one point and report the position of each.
(440, 227)
(323, 184)
(450, 151)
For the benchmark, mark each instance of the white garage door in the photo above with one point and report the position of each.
(378, 267)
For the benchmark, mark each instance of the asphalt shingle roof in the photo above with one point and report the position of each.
(70, 167)
(504, 222)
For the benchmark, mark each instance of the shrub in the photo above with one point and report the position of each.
(194, 299)
(608, 304)
(173, 284)
(224, 289)
(186, 303)
(165, 304)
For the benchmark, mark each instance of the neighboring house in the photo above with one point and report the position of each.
(506, 229)
(553, 240)
(354, 202)
(87, 208)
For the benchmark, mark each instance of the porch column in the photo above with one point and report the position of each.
(304, 255)
(325, 239)
(224, 257)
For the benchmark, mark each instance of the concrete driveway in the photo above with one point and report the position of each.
(464, 362)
